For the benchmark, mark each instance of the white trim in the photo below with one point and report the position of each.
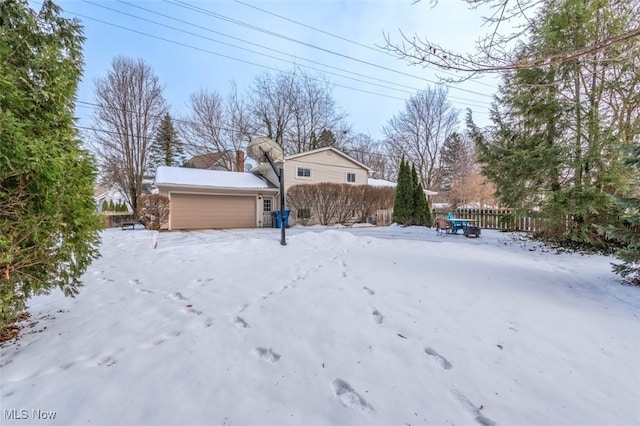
(302, 154)
(310, 177)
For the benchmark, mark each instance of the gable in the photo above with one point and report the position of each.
(327, 156)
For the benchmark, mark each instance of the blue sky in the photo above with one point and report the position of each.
(188, 53)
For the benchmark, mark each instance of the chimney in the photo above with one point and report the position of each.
(240, 160)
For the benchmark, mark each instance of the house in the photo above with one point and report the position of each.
(220, 160)
(383, 182)
(215, 199)
(103, 195)
(316, 166)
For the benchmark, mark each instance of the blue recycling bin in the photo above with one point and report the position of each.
(279, 219)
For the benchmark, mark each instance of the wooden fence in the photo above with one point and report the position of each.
(502, 219)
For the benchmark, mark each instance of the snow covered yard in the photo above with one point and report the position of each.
(363, 326)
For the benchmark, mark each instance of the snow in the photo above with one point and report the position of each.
(208, 178)
(342, 326)
(381, 182)
(384, 182)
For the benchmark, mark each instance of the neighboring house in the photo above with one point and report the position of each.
(221, 160)
(105, 194)
(213, 199)
(383, 182)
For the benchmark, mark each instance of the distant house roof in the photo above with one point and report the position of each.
(329, 148)
(206, 161)
(184, 176)
(383, 182)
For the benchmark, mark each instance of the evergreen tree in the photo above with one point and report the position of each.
(167, 149)
(557, 129)
(421, 211)
(48, 228)
(629, 232)
(403, 204)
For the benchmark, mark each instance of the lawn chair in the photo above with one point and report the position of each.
(443, 226)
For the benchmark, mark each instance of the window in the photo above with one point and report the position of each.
(303, 173)
(267, 204)
(304, 213)
(351, 177)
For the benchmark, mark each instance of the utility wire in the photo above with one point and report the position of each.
(92, 105)
(249, 50)
(375, 49)
(474, 103)
(414, 89)
(198, 9)
(219, 54)
(231, 57)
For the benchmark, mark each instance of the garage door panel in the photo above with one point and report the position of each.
(198, 211)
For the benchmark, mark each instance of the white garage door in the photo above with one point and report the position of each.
(196, 211)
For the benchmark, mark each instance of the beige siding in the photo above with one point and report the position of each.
(201, 211)
(326, 166)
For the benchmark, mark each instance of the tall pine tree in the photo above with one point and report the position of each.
(421, 211)
(167, 149)
(403, 204)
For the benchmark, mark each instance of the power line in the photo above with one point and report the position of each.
(231, 57)
(377, 50)
(92, 105)
(198, 9)
(473, 103)
(249, 50)
(217, 53)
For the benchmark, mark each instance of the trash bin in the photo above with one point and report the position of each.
(278, 220)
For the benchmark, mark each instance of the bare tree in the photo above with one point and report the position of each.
(419, 131)
(500, 49)
(316, 114)
(218, 124)
(294, 108)
(371, 153)
(130, 107)
(273, 105)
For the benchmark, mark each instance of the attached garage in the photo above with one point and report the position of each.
(213, 199)
(201, 211)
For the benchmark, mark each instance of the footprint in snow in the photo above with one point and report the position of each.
(135, 281)
(377, 316)
(266, 354)
(442, 361)
(369, 291)
(471, 409)
(143, 291)
(107, 361)
(349, 397)
(189, 309)
(174, 295)
(160, 340)
(240, 322)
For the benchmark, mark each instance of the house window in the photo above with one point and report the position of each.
(351, 177)
(267, 204)
(303, 173)
(304, 213)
